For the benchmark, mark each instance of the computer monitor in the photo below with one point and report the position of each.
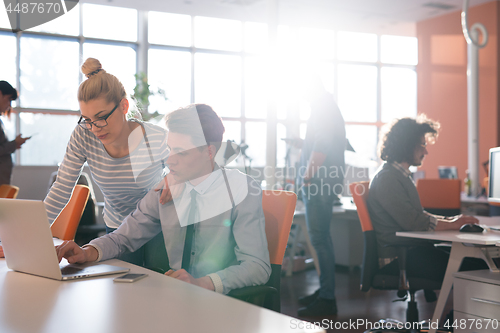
(494, 176)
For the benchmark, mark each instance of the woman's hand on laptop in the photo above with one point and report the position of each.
(75, 254)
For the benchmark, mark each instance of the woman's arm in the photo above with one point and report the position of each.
(67, 175)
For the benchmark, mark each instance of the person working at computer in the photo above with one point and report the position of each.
(394, 204)
(214, 231)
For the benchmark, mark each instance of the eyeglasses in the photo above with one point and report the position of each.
(99, 123)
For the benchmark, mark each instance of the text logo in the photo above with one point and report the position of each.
(26, 14)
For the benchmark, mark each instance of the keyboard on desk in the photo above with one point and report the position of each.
(70, 270)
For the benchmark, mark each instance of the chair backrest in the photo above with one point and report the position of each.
(278, 207)
(359, 193)
(65, 225)
(8, 191)
(439, 193)
(370, 266)
(440, 196)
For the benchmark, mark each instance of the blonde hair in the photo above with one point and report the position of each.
(99, 84)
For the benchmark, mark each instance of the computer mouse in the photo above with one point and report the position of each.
(471, 228)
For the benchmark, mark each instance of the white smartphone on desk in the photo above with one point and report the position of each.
(131, 277)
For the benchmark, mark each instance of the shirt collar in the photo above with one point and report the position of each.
(202, 187)
(404, 171)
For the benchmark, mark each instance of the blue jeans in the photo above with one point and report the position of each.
(136, 258)
(319, 213)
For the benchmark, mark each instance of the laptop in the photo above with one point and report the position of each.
(29, 248)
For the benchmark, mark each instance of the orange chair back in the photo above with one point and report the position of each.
(65, 225)
(439, 193)
(359, 193)
(8, 191)
(278, 207)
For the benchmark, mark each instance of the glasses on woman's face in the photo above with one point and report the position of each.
(99, 123)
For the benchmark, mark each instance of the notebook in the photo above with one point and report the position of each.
(29, 248)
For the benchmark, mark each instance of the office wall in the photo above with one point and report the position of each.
(442, 86)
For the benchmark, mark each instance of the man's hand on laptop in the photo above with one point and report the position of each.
(75, 254)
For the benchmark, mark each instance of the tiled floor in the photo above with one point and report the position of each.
(353, 304)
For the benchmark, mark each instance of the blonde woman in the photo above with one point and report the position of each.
(125, 156)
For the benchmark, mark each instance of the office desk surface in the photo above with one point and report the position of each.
(31, 304)
(490, 238)
(482, 247)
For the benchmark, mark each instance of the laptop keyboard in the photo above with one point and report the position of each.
(70, 270)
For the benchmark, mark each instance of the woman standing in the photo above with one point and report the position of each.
(7, 95)
(125, 156)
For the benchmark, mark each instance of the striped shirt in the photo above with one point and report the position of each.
(123, 181)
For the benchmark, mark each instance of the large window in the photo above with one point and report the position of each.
(225, 63)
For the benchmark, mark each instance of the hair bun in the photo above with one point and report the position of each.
(91, 66)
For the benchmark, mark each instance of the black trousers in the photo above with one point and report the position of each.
(430, 262)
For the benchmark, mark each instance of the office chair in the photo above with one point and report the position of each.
(88, 228)
(372, 276)
(65, 225)
(278, 207)
(8, 191)
(440, 196)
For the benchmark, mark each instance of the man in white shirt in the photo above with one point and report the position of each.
(214, 230)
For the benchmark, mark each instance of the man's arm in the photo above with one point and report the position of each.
(137, 228)
(453, 222)
(204, 281)
(392, 195)
(75, 254)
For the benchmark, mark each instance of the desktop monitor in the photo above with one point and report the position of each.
(494, 176)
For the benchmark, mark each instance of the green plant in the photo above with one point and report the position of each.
(141, 95)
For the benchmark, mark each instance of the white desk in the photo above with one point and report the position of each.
(31, 304)
(463, 245)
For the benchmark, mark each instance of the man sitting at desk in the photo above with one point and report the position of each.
(394, 204)
(214, 230)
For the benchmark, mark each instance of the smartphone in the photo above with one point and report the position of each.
(130, 277)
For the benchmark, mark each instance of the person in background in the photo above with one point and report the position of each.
(394, 203)
(321, 176)
(214, 231)
(7, 95)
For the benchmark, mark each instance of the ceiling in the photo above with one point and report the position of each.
(379, 16)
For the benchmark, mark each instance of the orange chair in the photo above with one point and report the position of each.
(65, 225)
(440, 196)
(8, 191)
(372, 276)
(278, 207)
